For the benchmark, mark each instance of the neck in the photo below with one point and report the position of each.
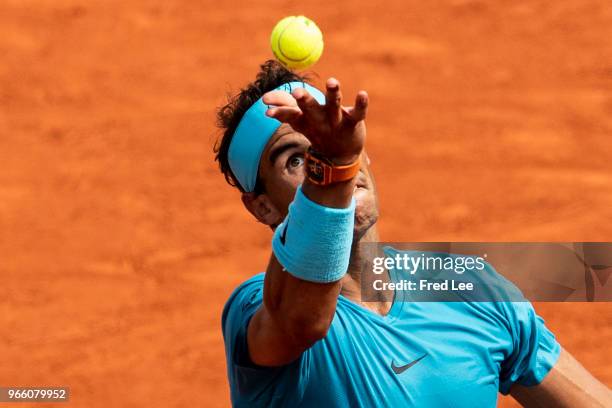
(361, 257)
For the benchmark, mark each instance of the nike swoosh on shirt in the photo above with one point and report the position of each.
(399, 370)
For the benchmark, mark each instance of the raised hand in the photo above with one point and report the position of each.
(335, 131)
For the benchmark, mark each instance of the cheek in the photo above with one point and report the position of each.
(367, 206)
(365, 199)
(362, 197)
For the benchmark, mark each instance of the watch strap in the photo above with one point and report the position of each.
(321, 171)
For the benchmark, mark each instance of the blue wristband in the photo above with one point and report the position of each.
(313, 243)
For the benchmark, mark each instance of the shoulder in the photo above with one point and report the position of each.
(248, 293)
(248, 287)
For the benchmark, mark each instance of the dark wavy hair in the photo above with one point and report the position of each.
(271, 75)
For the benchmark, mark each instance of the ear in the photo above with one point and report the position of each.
(262, 208)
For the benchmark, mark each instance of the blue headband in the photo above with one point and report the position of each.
(252, 135)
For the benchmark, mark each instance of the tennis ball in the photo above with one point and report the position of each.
(296, 42)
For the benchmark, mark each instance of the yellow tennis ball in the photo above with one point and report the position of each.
(296, 42)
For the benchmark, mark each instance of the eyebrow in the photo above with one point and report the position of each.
(277, 151)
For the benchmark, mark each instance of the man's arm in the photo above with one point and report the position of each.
(296, 313)
(568, 384)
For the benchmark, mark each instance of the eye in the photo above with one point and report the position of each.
(295, 161)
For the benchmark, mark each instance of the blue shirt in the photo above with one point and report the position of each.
(421, 354)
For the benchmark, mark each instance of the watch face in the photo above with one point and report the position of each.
(315, 171)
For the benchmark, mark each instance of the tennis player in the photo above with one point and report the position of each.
(300, 335)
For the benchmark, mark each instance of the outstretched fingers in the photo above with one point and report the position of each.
(305, 101)
(279, 98)
(285, 114)
(300, 107)
(359, 111)
(282, 106)
(333, 101)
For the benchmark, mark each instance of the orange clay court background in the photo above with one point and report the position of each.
(120, 241)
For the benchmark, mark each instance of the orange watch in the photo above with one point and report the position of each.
(322, 172)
